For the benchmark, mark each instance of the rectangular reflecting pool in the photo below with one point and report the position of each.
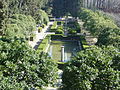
(70, 47)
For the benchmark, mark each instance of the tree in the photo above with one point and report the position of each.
(1, 17)
(109, 37)
(105, 5)
(27, 7)
(21, 65)
(20, 25)
(101, 26)
(93, 69)
(41, 17)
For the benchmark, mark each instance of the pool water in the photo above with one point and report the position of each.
(55, 49)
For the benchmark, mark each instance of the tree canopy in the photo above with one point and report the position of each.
(92, 69)
(20, 25)
(101, 26)
(22, 66)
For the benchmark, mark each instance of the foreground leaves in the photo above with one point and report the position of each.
(20, 64)
(93, 69)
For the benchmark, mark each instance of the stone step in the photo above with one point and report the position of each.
(51, 88)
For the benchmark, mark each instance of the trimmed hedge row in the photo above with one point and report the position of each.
(59, 30)
(44, 44)
(61, 37)
(53, 27)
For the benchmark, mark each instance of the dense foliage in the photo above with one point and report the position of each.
(20, 25)
(1, 17)
(73, 27)
(28, 7)
(101, 26)
(41, 17)
(93, 69)
(21, 67)
(105, 5)
(63, 7)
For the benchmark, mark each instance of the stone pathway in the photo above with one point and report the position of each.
(40, 36)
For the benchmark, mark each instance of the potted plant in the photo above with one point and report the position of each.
(32, 37)
(39, 29)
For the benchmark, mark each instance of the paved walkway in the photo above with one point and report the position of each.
(40, 36)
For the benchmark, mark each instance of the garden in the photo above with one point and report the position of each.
(63, 57)
(52, 43)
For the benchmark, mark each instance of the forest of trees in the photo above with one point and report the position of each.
(61, 7)
(21, 67)
(105, 5)
(13, 13)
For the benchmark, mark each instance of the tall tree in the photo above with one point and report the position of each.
(20, 64)
(93, 69)
(1, 17)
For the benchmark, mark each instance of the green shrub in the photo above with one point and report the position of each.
(43, 25)
(59, 32)
(53, 27)
(86, 46)
(20, 25)
(57, 36)
(94, 68)
(72, 31)
(60, 27)
(83, 40)
(21, 68)
(41, 17)
(75, 26)
(39, 29)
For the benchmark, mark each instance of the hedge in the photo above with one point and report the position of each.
(69, 37)
(53, 27)
(56, 37)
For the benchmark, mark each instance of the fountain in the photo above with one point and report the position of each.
(62, 54)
